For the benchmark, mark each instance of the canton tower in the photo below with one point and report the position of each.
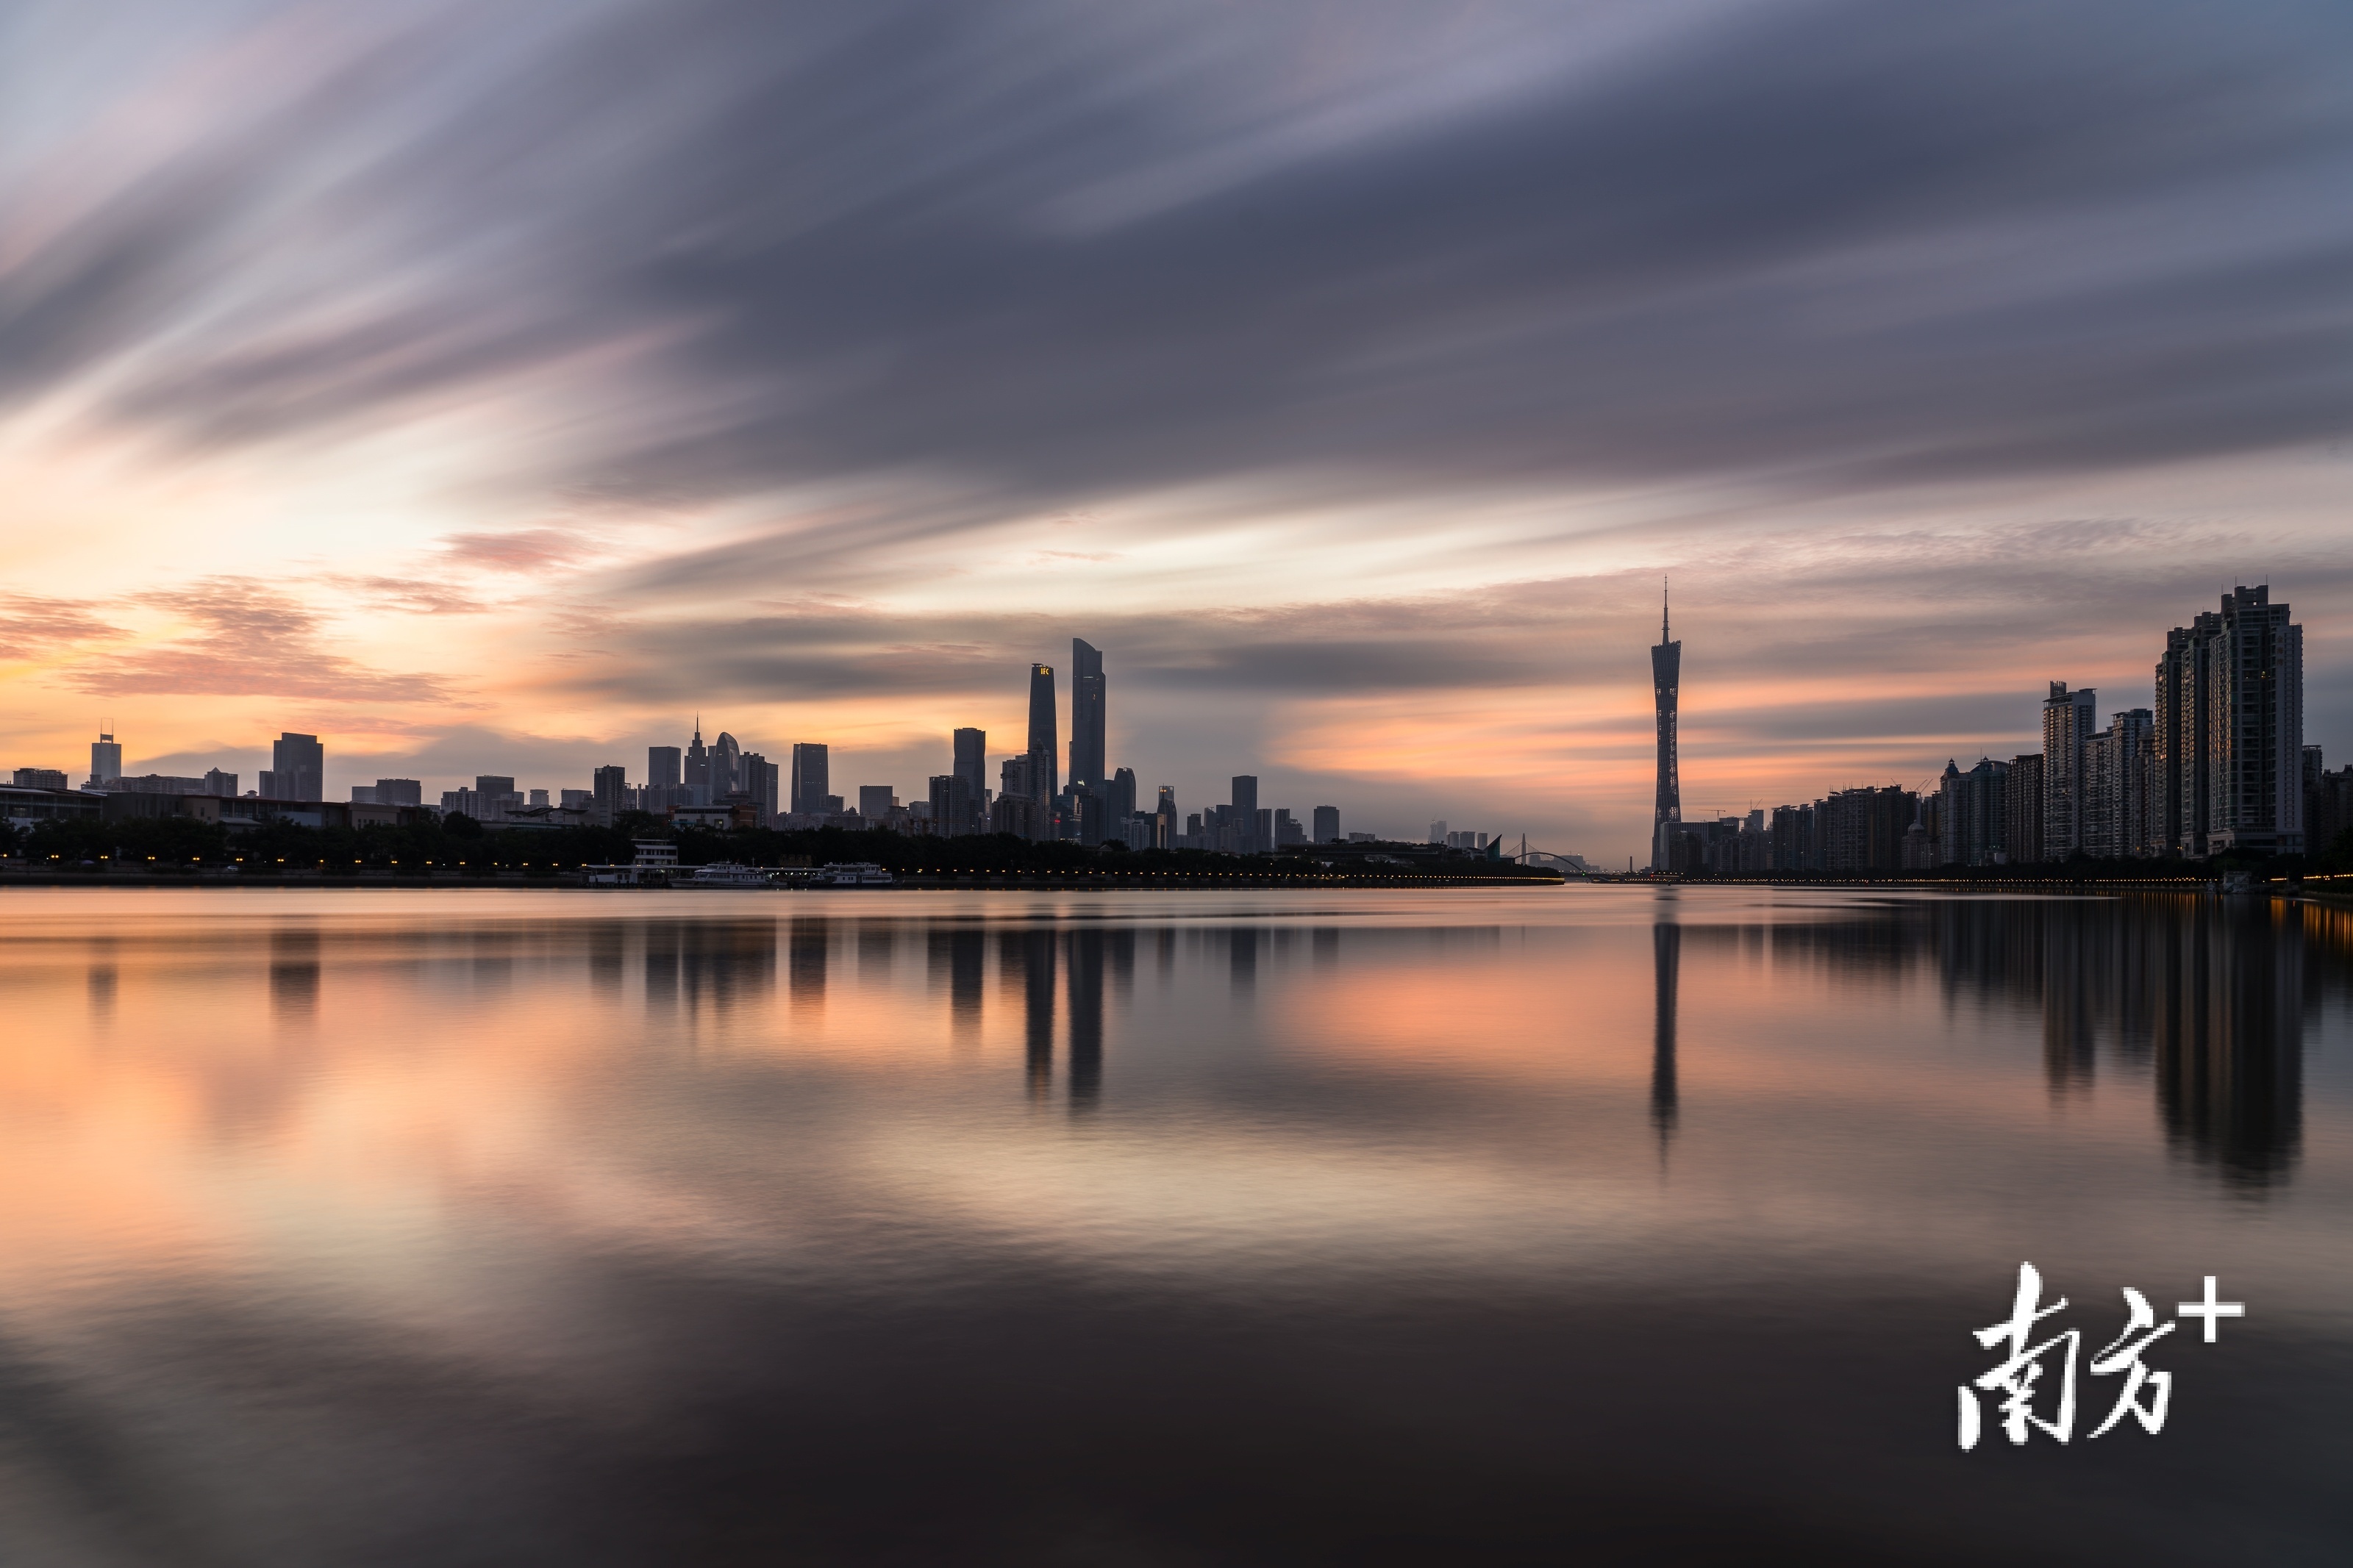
(1666, 665)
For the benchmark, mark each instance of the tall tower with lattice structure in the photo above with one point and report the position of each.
(1666, 669)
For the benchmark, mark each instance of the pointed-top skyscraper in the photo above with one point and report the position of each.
(1086, 715)
(1666, 669)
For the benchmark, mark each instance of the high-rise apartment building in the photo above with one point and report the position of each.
(2021, 831)
(876, 803)
(812, 783)
(661, 767)
(1045, 781)
(2118, 818)
(2239, 728)
(1666, 675)
(298, 765)
(2178, 740)
(1973, 813)
(2069, 720)
(105, 758)
(1327, 824)
(388, 792)
(1087, 716)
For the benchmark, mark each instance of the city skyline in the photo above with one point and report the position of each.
(691, 775)
(1279, 369)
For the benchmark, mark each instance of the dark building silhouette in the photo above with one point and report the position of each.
(1666, 675)
(812, 777)
(299, 767)
(1087, 716)
(971, 764)
(1044, 778)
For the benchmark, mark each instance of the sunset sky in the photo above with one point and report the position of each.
(493, 388)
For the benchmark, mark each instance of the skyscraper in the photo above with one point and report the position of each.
(2251, 709)
(300, 766)
(756, 777)
(1086, 715)
(1243, 812)
(1045, 781)
(2068, 720)
(105, 758)
(2229, 718)
(698, 769)
(1327, 824)
(811, 783)
(727, 767)
(661, 766)
(1666, 672)
(607, 785)
(972, 765)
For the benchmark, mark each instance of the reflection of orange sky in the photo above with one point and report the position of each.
(455, 1066)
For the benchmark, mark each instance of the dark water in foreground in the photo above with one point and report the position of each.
(1594, 1224)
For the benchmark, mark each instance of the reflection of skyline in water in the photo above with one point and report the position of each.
(669, 1170)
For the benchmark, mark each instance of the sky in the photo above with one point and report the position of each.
(499, 388)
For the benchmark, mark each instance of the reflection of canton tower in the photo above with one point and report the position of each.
(1666, 664)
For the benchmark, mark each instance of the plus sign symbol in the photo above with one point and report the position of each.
(2209, 1310)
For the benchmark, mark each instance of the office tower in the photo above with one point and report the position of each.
(1241, 814)
(1666, 675)
(105, 758)
(1120, 802)
(1017, 810)
(877, 802)
(1167, 807)
(608, 793)
(698, 768)
(1973, 813)
(388, 792)
(971, 763)
(1437, 831)
(661, 767)
(2022, 829)
(1327, 824)
(2237, 727)
(2068, 720)
(1287, 828)
(757, 781)
(219, 783)
(1044, 780)
(810, 777)
(299, 765)
(1086, 715)
(494, 798)
(727, 767)
(956, 812)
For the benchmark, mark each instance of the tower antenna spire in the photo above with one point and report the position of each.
(1662, 607)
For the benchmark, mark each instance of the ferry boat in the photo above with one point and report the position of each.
(853, 873)
(728, 874)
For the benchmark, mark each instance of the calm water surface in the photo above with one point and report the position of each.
(1599, 1223)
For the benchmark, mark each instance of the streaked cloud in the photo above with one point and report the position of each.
(1344, 373)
